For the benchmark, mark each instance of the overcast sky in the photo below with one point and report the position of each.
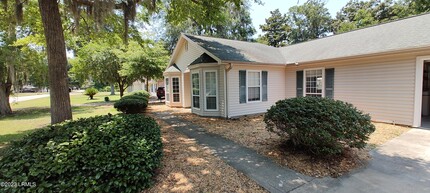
(260, 12)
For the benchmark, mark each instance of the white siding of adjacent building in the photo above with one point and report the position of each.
(275, 90)
(381, 86)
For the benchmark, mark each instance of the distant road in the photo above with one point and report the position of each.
(14, 99)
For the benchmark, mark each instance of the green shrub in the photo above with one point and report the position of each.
(320, 125)
(91, 92)
(133, 103)
(107, 99)
(101, 154)
(140, 93)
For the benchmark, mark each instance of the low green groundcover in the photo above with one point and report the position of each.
(112, 153)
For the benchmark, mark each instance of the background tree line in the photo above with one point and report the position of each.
(312, 20)
(107, 40)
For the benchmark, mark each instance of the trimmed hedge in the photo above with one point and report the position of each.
(133, 103)
(101, 154)
(320, 125)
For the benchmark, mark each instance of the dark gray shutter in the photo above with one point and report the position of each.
(242, 86)
(299, 83)
(264, 77)
(329, 83)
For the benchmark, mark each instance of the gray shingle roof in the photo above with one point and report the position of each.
(172, 68)
(413, 32)
(409, 33)
(233, 50)
(204, 58)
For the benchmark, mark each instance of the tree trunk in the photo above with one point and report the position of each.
(4, 99)
(112, 89)
(57, 61)
(121, 90)
(147, 84)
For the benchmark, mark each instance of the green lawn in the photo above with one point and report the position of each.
(33, 114)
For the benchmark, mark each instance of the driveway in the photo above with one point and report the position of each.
(400, 165)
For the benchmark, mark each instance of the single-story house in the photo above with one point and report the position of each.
(383, 70)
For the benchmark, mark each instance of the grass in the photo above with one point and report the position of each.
(33, 114)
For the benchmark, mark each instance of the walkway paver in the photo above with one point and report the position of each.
(261, 169)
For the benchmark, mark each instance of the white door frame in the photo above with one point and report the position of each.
(419, 72)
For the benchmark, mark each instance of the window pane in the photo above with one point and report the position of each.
(175, 97)
(253, 79)
(167, 85)
(196, 84)
(196, 101)
(210, 83)
(314, 83)
(210, 102)
(175, 85)
(253, 93)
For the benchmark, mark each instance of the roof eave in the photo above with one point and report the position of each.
(396, 51)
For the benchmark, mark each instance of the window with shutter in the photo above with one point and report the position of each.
(329, 83)
(242, 86)
(264, 77)
(299, 83)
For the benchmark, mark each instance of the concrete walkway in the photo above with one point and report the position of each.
(401, 165)
(261, 169)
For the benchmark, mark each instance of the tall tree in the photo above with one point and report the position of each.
(358, 14)
(9, 53)
(309, 21)
(233, 22)
(120, 64)
(276, 29)
(57, 61)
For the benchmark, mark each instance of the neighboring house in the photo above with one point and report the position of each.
(153, 85)
(382, 70)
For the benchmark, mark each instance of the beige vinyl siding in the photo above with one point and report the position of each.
(186, 92)
(185, 57)
(275, 90)
(380, 86)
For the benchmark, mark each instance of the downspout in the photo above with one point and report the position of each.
(226, 70)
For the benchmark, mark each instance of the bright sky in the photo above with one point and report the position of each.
(260, 12)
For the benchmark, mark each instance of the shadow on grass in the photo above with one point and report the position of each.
(5, 139)
(38, 112)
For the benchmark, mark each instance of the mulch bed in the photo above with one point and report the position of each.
(250, 131)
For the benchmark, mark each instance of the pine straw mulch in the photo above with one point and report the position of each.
(189, 167)
(250, 131)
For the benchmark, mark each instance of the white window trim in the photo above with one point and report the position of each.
(167, 89)
(179, 85)
(247, 86)
(323, 80)
(204, 88)
(192, 94)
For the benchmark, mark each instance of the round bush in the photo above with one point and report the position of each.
(320, 125)
(107, 99)
(132, 104)
(101, 154)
